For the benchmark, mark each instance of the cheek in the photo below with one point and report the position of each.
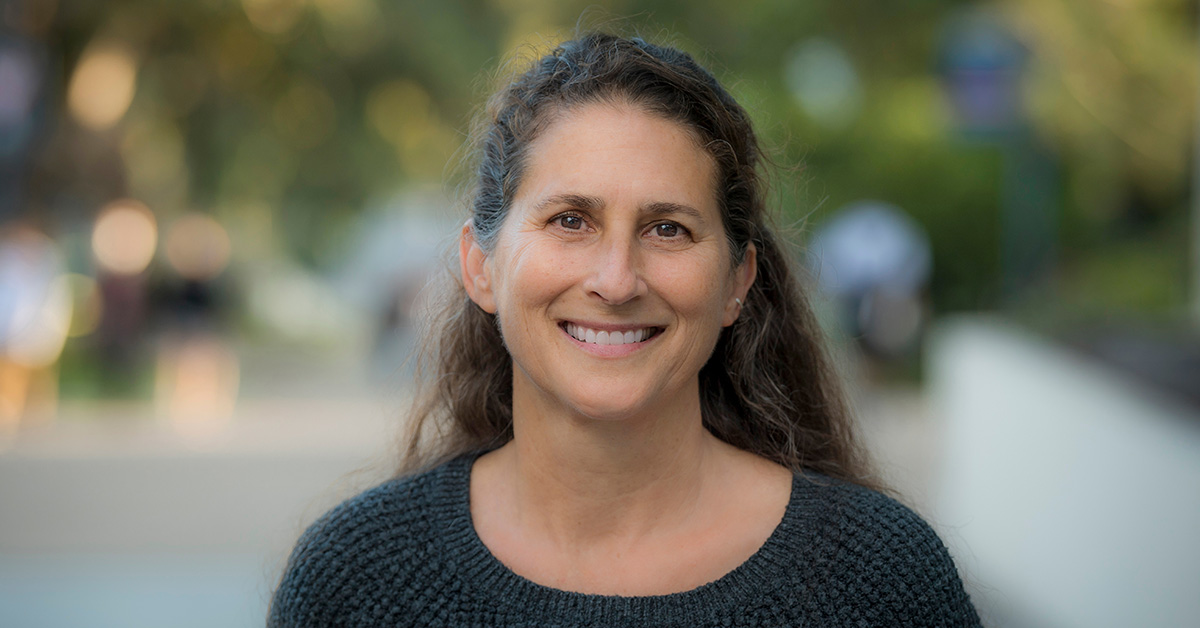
(527, 276)
(697, 290)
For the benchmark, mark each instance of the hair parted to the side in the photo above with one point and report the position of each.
(769, 387)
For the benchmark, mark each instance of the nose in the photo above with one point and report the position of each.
(616, 275)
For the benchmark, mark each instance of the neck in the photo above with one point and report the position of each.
(580, 480)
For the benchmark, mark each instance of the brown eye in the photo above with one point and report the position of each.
(667, 230)
(573, 223)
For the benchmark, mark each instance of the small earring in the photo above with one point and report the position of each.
(738, 301)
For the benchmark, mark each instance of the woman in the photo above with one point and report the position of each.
(633, 421)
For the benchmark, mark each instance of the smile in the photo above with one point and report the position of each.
(601, 337)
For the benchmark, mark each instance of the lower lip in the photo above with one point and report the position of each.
(610, 351)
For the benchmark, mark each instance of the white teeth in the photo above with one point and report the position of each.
(591, 336)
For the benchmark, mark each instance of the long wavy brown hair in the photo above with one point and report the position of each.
(769, 387)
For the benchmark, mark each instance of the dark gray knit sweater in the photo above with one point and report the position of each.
(405, 554)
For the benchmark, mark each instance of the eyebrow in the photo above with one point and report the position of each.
(574, 200)
(667, 208)
(655, 208)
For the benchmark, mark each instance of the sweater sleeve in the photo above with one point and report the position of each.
(307, 594)
(347, 564)
(896, 570)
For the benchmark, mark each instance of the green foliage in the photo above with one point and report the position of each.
(313, 110)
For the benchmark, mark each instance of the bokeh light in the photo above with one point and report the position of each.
(125, 237)
(394, 107)
(198, 247)
(103, 85)
(404, 113)
(353, 27)
(275, 17)
(196, 384)
(34, 312)
(39, 342)
(87, 304)
(824, 82)
(35, 304)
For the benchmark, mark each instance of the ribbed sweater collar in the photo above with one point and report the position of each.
(787, 547)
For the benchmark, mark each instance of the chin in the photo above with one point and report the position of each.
(613, 405)
(608, 413)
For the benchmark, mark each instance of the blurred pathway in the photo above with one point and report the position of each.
(114, 516)
(141, 522)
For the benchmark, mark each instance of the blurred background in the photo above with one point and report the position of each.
(217, 218)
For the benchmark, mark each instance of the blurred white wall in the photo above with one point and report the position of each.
(1070, 495)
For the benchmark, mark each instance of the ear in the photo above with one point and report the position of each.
(476, 275)
(743, 278)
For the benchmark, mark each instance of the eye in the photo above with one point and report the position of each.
(570, 222)
(669, 230)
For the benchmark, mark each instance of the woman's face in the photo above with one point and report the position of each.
(611, 275)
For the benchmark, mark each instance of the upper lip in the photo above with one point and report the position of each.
(610, 327)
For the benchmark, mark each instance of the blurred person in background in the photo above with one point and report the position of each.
(875, 260)
(631, 418)
(34, 312)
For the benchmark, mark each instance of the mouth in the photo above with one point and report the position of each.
(609, 337)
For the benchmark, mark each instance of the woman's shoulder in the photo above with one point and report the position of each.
(874, 548)
(866, 515)
(398, 500)
(386, 536)
(396, 506)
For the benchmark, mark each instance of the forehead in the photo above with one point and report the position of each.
(616, 151)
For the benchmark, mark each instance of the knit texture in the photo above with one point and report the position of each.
(405, 554)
